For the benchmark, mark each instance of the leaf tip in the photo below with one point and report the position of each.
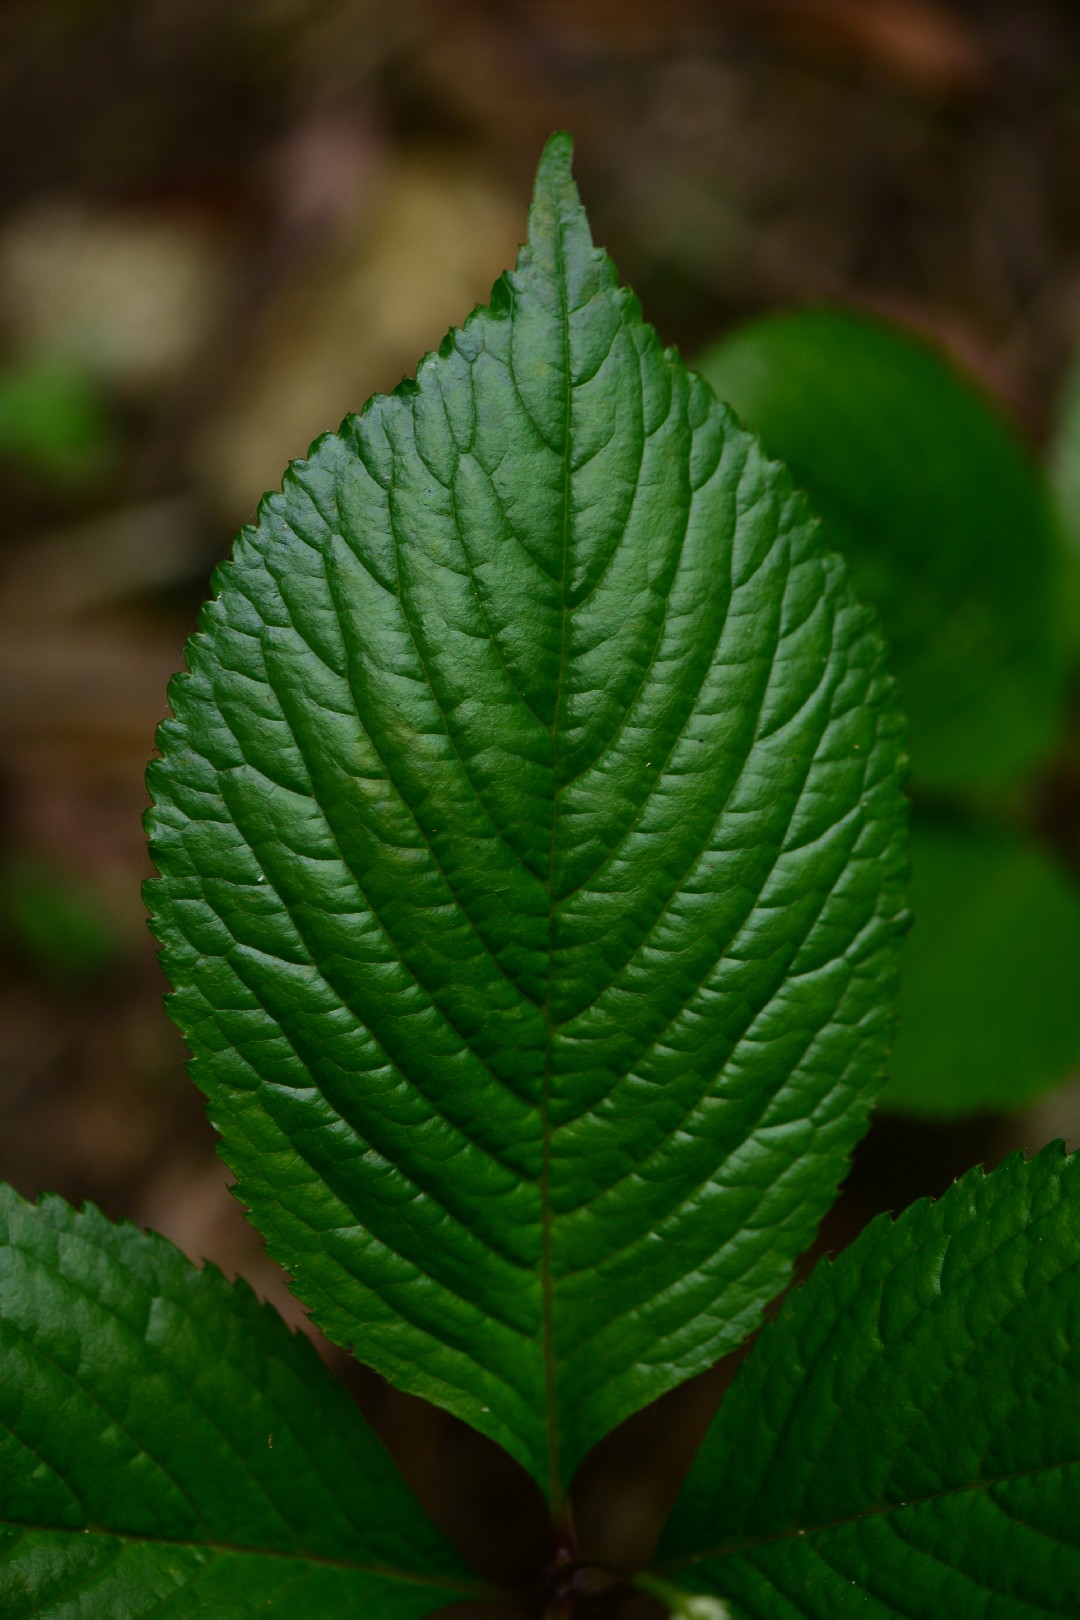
(555, 192)
(556, 160)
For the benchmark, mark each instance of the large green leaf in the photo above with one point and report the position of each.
(942, 514)
(905, 1440)
(989, 1009)
(530, 845)
(169, 1447)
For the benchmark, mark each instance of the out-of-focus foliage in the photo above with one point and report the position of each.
(54, 422)
(989, 1002)
(949, 524)
(1063, 461)
(55, 920)
(943, 516)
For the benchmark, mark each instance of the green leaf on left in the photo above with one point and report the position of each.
(905, 1439)
(169, 1448)
(531, 843)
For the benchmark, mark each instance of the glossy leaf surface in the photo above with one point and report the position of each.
(530, 834)
(905, 1439)
(942, 515)
(169, 1447)
(989, 1009)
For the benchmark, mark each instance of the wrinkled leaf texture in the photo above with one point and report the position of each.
(530, 850)
(905, 1439)
(168, 1446)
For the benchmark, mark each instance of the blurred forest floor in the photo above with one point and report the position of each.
(224, 225)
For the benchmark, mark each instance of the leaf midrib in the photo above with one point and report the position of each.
(749, 1544)
(546, 1280)
(390, 1572)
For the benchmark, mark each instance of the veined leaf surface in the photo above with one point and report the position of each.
(169, 1448)
(905, 1439)
(529, 833)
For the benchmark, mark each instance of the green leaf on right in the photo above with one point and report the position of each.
(169, 1448)
(905, 1438)
(943, 515)
(989, 1008)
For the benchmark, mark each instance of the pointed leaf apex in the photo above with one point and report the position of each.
(559, 248)
(555, 192)
(556, 161)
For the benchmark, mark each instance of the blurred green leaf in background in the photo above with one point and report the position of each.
(943, 516)
(1063, 464)
(989, 1010)
(54, 422)
(55, 923)
(950, 526)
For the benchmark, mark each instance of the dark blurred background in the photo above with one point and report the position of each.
(223, 225)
